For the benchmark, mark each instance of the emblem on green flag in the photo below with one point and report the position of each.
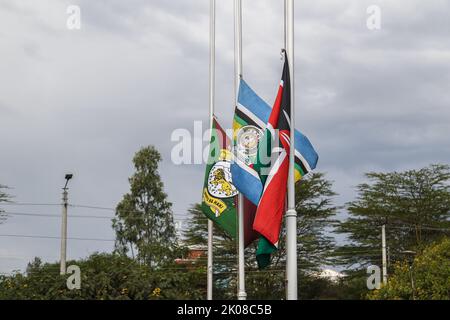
(219, 193)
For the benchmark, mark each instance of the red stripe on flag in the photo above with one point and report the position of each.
(272, 204)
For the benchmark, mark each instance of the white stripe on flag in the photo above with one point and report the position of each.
(287, 138)
(303, 160)
(248, 169)
(251, 115)
(287, 117)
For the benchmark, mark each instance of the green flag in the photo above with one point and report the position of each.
(219, 193)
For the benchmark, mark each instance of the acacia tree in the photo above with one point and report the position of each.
(224, 253)
(414, 205)
(144, 220)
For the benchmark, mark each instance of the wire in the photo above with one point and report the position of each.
(423, 228)
(45, 215)
(52, 237)
(29, 204)
(82, 216)
(54, 215)
(79, 206)
(91, 207)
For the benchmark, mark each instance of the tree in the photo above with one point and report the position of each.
(427, 278)
(224, 253)
(103, 277)
(4, 197)
(414, 205)
(197, 231)
(144, 219)
(315, 210)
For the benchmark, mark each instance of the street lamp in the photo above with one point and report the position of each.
(62, 269)
(68, 177)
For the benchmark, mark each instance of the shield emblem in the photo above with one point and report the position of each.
(219, 181)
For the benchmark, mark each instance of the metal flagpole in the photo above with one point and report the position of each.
(291, 214)
(242, 295)
(212, 65)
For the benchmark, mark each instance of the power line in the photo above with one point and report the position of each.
(91, 207)
(79, 206)
(55, 215)
(421, 227)
(52, 237)
(80, 216)
(29, 204)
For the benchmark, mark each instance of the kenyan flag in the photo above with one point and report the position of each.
(272, 165)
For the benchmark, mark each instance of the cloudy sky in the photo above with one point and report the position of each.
(85, 100)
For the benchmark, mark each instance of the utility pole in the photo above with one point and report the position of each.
(62, 269)
(383, 253)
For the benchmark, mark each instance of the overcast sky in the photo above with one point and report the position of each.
(85, 100)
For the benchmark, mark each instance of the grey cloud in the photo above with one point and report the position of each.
(85, 101)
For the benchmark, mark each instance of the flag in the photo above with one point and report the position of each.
(250, 119)
(219, 195)
(272, 165)
(252, 116)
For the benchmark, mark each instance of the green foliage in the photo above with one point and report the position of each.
(197, 233)
(353, 286)
(429, 272)
(224, 253)
(144, 219)
(414, 205)
(104, 277)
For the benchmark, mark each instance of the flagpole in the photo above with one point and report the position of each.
(291, 214)
(242, 295)
(212, 65)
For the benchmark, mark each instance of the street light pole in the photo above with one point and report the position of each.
(62, 269)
